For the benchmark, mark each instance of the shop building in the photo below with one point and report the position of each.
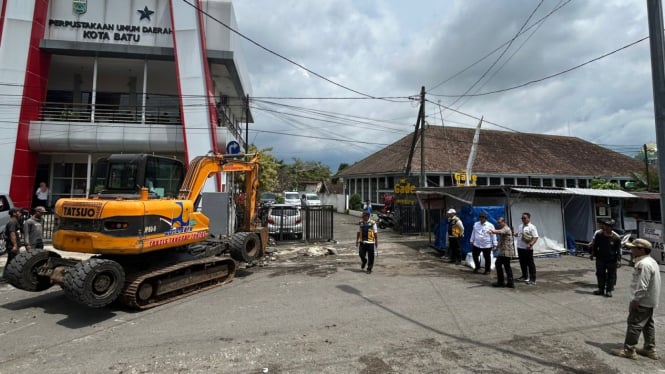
(82, 79)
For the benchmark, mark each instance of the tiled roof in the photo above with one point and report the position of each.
(498, 152)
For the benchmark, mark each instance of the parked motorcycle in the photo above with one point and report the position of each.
(386, 220)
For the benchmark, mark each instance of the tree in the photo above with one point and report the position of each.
(293, 176)
(341, 167)
(269, 167)
(602, 184)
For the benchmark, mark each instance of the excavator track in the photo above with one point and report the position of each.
(160, 286)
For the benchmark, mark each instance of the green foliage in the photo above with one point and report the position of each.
(652, 184)
(602, 184)
(341, 167)
(355, 202)
(292, 177)
(269, 167)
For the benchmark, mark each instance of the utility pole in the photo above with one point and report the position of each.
(423, 180)
(247, 125)
(646, 167)
(655, 16)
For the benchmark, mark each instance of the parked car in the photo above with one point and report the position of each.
(268, 198)
(291, 198)
(312, 199)
(285, 219)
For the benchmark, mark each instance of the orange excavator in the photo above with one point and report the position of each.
(148, 242)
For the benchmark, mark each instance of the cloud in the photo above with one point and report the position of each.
(392, 48)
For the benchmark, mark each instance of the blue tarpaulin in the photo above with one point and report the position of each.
(469, 215)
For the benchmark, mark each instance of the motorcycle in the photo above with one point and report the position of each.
(386, 220)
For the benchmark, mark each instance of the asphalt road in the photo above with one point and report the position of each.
(306, 312)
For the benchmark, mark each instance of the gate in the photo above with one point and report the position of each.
(318, 223)
(409, 219)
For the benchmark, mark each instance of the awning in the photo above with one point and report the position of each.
(547, 191)
(601, 193)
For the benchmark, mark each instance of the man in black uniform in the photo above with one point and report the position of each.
(606, 248)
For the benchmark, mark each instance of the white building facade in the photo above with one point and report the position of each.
(80, 79)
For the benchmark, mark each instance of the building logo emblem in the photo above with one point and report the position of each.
(145, 13)
(79, 6)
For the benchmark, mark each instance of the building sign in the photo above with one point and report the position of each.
(94, 31)
(405, 191)
(653, 232)
(460, 179)
(116, 22)
(79, 7)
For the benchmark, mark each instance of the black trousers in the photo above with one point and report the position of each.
(503, 262)
(606, 274)
(454, 250)
(366, 252)
(487, 254)
(527, 265)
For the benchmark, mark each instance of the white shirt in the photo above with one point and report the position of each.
(481, 237)
(42, 195)
(645, 286)
(529, 229)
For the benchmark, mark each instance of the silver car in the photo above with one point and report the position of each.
(291, 198)
(284, 220)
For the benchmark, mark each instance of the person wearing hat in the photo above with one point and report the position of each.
(12, 239)
(482, 240)
(606, 248)
(644, 294)
(33, 230)
(367, 241)
(455, 235)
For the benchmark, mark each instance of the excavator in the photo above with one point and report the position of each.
(148, 242)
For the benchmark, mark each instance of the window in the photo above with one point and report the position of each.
(495, 181)
(509, 181)
(522, 182)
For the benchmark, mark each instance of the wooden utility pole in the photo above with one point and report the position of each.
(423, 179)
(247, 125)
(655, 16)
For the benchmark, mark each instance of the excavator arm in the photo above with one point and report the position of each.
(203, 167)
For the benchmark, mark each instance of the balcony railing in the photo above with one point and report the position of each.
(67, 112)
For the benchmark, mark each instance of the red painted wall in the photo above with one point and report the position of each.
(22, 183)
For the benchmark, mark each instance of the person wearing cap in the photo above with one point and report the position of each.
(482, 240)
(12, 238)
(455, 235)
(367, 241)
(606, 248)
(527, 236)
(33, 230)
(644, 294)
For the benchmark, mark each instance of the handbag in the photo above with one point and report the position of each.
(526, 237)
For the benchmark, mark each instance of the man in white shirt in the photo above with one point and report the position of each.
(482, 240)
(527, 236)
(644, 293)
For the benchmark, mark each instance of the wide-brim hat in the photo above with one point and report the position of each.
(640, 243)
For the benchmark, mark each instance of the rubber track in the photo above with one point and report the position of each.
(133, 281)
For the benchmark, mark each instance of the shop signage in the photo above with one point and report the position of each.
(653, 232)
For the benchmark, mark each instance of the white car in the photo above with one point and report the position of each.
(292, 198)
(285, 220)
(312, 199)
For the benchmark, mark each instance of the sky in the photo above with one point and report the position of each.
(356, 69)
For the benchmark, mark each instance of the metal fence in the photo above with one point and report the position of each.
(409, 219)
(309, 223)
(318, 223)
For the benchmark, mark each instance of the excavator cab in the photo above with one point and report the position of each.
(123, 175)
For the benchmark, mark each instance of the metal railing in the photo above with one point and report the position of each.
(68, 112)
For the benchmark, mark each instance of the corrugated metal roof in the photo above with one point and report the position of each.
(600, 193)
(548, 191)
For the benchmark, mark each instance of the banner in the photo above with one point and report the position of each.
(653, 232)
